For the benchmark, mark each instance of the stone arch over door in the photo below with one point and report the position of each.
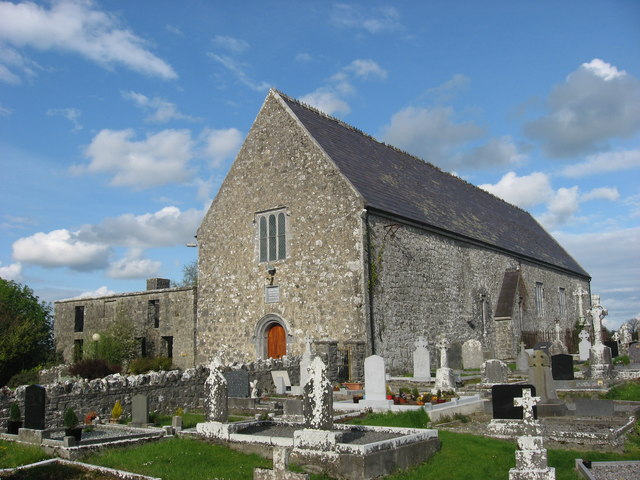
(272, 337)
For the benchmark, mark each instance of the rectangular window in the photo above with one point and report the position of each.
(539, 299)
(562, 302)
(77, 350)
(78, 325)
(142, 346)
(167, 347)
(154, 313)
(272, 236)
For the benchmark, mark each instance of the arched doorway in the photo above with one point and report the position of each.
(276, 341)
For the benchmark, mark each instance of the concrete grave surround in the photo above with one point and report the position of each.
(584, 346)
(472, 354)
(421, 360)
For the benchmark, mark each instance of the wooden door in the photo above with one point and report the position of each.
(276, 341)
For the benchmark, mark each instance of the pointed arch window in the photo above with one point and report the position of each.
(272, 236)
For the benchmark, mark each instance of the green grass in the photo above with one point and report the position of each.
(189, 420)
(409, 419)
(627, 391)
(180, 458)
(13, 454)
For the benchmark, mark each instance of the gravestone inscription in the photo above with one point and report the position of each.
(502, 401)
(562, 367)
(237, 383)
(34, 403)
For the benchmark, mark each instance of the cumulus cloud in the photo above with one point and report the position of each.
(10, 60)
(430, 133)
(525, 191)
(79, 27)
(372, 20)
(11, 272)
(496, 152)
(157, 160)
(595, 104)
(367, 69)
(99, 292)
(61, 248)
(561, 208)
(221, 145)
(326, 100)
(232, 44)
(162, 111)
(603, 163)
(133, 265)
(71, 114)
(603, 193)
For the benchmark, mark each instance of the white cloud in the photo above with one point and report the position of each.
(161, 110)
(238, 69)
(99, 292)
(524, 192)
(303, 58)
(167, 227)
(561, 208)
(372, 20)
(605, 193)
(71, 114)
(449, 88)
(327, 101)
(496, 152)
(61, 248)
(603, 163)
(366, 68)
(221, 145)
(78, 26)
(595, 104)
(11, 272)
(158, 160)
(234, 45)
(431, 134)
(133, 265)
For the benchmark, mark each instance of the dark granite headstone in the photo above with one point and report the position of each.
(634, 352)
(237, 383)
(502, 401)
(614, 348)
(454, 355)
(34, 402)
(586, 407)
(562, 367)
(546, 346)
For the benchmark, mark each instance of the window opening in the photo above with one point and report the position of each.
(154, 312)
(562, 300)
(79, 320)
(272, 237)
(539, 299)
(167, 347)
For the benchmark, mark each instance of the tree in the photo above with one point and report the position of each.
(26, 340)
(190, 274)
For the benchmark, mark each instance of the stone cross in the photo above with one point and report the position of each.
(317, 402)
(625, 338)
(558, 330)
(580, 293)
(280, 468)
(527, 402)
(216, 393)
(597, 312)
(616, 337)
(442, 345)
(583, 335)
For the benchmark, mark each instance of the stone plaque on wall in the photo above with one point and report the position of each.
(272, 294)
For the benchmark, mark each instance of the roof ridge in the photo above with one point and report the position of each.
(348, 126)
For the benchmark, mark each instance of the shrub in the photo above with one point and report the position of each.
(116, 411)
(91, 368)
(622, 360)
(70, 418)
(148, 364)
(14, 412)
(25, 377)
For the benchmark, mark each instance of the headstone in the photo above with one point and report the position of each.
(634, 352)
(546, 346)
(502, 401)
(625, 338)
(140, 410)
(600, 361)
(613, 345)
(472, 354)
(375, 383)
(586, 407)
(281, 381)
(421, 360)
(522, 361)
(34, 405)
(495, 371)
(540, 376)
(216, 401)
(317, 400)
(597, 314)
(454, 355)
(584, 345)
(305, 363)
(445, 378)
(579, 293)
(562, 367)
(237, 383)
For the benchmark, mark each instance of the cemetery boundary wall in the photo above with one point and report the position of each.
(166, 391)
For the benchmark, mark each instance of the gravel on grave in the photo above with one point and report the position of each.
(101, 433)
(355, 436)
(621, 471)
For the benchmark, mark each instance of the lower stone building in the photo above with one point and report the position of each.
(163, 319)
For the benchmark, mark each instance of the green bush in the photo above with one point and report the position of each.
(14, 412)
(622, 360)
(91, 368)
(25, 377)
(149, 364)
(70, 418)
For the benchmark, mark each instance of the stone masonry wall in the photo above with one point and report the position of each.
(321, 280)
(177, 320)
(166, 390)
(427, 285)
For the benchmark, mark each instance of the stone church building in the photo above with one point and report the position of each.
(321, 232)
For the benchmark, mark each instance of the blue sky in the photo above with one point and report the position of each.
(119, 119)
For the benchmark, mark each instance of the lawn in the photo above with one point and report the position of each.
(626, 391)
(14, 455)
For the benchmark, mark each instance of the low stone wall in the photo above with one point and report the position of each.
(166, 390)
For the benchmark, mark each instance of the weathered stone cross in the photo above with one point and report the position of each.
(580, 293)
(527, 402)
(442, 345)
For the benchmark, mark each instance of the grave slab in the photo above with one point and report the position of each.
(34, 406)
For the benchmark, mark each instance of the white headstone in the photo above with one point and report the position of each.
(522, 362)
(281, 381)
(421, 360)
(442, 345)
(375, 383)
(625, 338)
(597, 313)
(305, 363)
(584, 345)
(472, 354)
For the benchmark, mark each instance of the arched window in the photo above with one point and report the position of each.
(272, 236)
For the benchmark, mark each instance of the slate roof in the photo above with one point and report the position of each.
(400, 184)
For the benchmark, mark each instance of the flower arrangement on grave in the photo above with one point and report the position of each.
(14, 423)
(71, 427)
(179, 412)
(90, 417)
(116, 412)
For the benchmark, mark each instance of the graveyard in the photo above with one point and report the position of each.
(556, 414)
